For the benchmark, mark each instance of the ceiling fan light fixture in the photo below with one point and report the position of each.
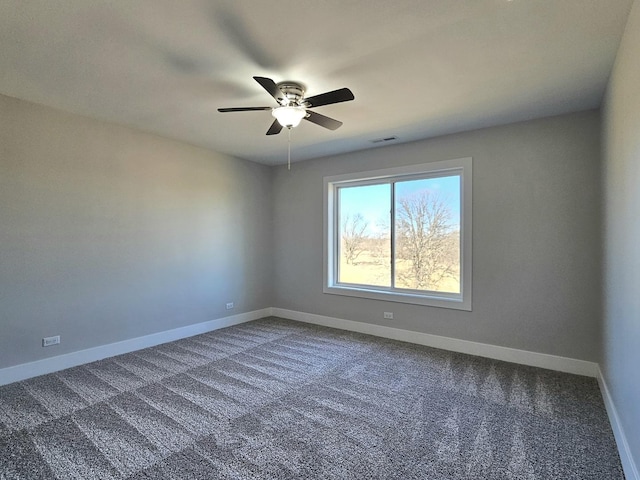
(289, 116)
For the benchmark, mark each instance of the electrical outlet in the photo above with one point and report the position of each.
(388, 315)
(48, 341)
(229, 305)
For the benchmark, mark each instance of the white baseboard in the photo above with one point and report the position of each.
(73, 359)
(626, 458)
(60, 362)
(523, 357)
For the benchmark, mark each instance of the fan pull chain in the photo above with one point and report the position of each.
(289, 150)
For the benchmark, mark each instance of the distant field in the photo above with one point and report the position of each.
(370, 269)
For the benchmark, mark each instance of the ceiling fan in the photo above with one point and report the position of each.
(293, 106)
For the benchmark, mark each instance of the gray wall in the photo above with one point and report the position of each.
(621, 330)
(536, 237)
(108, 234)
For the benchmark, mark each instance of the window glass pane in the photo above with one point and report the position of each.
(364, 238)
(427, 230)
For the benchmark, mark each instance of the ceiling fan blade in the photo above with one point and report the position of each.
(275, 128)
(322, 120)
(243, 109)
(336, 96)
(271, 87)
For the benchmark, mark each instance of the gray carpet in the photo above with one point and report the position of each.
(282, 400)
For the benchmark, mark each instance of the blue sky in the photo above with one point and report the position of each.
(373, 201)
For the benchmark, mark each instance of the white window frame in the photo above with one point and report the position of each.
(461, 301)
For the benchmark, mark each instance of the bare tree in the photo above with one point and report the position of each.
(426, 239)
(380, 242)
(354, 236)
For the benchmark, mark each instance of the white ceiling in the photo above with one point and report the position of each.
(418, 68)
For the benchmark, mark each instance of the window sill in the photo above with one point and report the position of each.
(455, 302)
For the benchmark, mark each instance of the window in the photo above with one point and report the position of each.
(401, 234)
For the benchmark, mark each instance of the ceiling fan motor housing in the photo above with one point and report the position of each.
(293, 92)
